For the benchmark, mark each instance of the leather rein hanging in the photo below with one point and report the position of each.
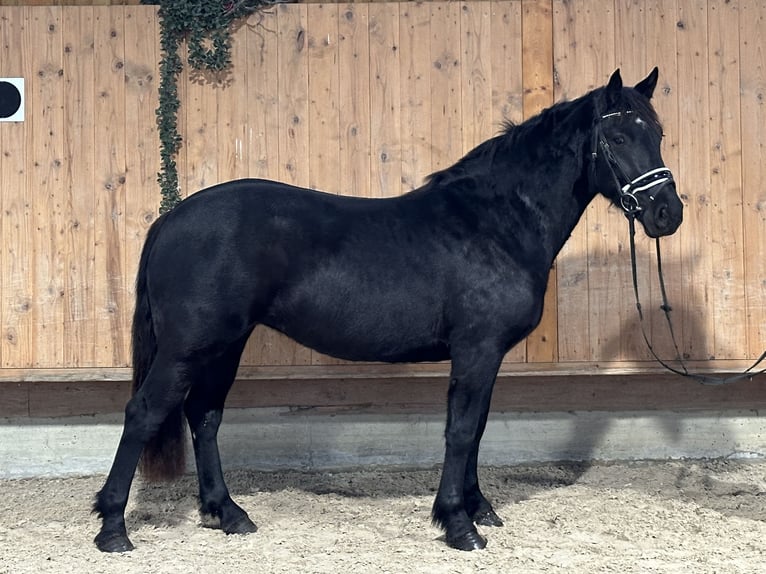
(631, 207)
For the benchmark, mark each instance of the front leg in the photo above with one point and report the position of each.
(470, 392)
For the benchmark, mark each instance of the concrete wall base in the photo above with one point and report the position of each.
(272, 439)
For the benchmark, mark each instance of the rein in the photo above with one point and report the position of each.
(631, 207)
(683, 371)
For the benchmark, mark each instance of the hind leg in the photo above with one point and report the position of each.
(204, 411)
(162, 391)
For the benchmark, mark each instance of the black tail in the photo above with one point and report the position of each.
(164, 456)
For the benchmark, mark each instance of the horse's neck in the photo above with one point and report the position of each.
(561, 187)
(570, 198)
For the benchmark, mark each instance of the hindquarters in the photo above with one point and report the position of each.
(220, 258)
(197, 296)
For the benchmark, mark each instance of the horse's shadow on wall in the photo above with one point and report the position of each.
(623, 341)
(671, 426)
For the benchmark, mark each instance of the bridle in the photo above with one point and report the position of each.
(628, 188)
(648, 183)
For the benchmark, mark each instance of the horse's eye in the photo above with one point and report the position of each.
(619, 140)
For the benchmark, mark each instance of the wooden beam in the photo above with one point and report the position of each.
(387, 395)
(379, 371)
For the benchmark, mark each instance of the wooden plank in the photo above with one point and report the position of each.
(112, 341)
(323, 110)
(661, 52)
(753, 75)
(752, 45)
(200, 130)
(728, 240)
(379, 371)
(277, 79)
(400, 395)
(602, 221)
(79, 374)
(630, 31)
(385, 100)
(507, 87)
(514, 56)
(346, 99)
(231, 114)
(142, 194)
(630, 56)
(537, 89)
(183, 81)
(575, 56)
(293, 133)
(293, 95)
(416, 93)
(69, 399)
(536, 57)
(15, 401)
(354, 99)
(46, 193)
(591, 393)
(79, 146)
(476, 73)
(420, 370)
(694, 172)
(261, 74)
(17, 221)
(446, 109)
(323, 97)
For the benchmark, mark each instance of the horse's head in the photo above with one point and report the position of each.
(627, 165)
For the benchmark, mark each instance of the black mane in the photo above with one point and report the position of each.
(527, 138)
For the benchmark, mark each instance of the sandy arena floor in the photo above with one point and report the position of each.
(672, 517)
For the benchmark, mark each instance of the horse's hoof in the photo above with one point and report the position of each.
(113, 542)
(471, 540)
(242, 526)
(487, 518)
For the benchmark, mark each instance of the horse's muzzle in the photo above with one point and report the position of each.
(663, 212)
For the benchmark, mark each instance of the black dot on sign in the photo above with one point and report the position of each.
(10, 99)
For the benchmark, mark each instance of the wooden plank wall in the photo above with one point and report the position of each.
(367, 99)
(78, 182)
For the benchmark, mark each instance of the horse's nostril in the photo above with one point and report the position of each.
(663, 215)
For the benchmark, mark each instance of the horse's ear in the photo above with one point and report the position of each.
(646, 86)
(614, 88)
(615, 82)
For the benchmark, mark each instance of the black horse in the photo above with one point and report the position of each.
(456, 269)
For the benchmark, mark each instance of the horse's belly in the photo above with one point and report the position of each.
(377, 351)
(363, 330)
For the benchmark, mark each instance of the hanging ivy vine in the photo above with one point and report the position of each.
(205, 25)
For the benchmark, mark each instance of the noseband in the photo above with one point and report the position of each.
(628, 188)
